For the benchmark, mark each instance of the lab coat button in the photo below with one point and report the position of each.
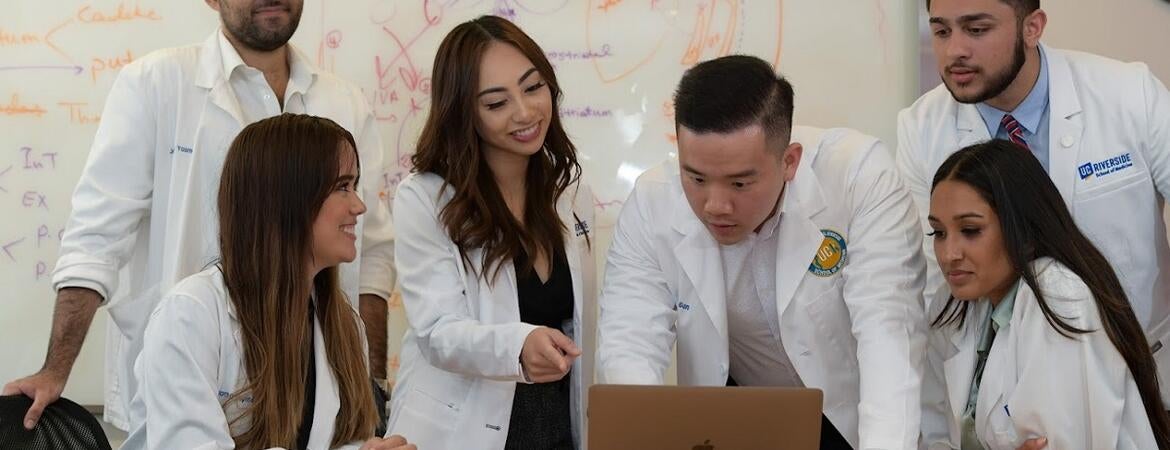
(1067, 141)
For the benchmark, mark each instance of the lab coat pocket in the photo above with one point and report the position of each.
(830, 315)
(1159, 340)
(426, 419)
(431, 411)
(1091, 191)
(1003, 433)
(1095, 209)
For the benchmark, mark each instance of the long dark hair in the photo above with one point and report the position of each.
(1036, 224)
(277, 175)
(476, 216)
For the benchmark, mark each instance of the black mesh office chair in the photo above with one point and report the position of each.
(64, 425)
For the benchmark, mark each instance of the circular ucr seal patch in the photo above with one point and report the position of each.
(830, 256)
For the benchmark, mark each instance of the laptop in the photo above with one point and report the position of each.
(703, 418)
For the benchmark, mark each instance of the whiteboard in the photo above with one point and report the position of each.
(852, 64)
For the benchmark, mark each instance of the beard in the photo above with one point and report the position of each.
(250, 33)
(997, 82)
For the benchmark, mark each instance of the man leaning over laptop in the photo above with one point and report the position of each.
(774, 256)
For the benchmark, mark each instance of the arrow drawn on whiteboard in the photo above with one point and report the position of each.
(76, 69)
(1, 174)
(10, 244)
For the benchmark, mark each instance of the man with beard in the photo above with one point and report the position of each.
(1101, 128)
(146, 198)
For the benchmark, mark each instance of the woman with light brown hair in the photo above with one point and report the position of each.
(263, 350)
(493, 250)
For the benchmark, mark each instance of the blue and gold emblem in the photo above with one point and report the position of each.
(830, 257)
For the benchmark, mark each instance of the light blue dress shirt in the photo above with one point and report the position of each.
(1032, 114)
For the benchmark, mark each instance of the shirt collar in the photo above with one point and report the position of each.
(230, 57)
(301, 73)
(1029, 112)
(1002, 314)
(769, 227)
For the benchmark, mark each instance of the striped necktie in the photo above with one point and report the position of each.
(1014, 130)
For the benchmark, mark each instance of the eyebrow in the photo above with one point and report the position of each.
(500, 89)
(743, 174)
(345, 179)
(969, 215)
(963, 19)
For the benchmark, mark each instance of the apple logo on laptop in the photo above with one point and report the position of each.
(706, 445)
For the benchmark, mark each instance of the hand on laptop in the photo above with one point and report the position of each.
(1034, 444)
(547, 355)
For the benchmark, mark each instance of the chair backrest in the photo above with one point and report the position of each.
(64, 425)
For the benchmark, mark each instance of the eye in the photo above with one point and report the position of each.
(976, 31)
(942, 32)
(697, 180)
(496, 105)
(971, 231)
(739, 184)
(535, 87)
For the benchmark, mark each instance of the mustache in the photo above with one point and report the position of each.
(258, 4)
(961, 65)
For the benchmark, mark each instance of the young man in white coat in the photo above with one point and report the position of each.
(1101, 128)
(772, 256)
(145, 201)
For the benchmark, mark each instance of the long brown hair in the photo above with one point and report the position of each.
(1036, 223)
(476, 216)
(277, 174)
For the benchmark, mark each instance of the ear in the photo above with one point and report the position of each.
(791, 157)
(1033, 27)
(214, 4)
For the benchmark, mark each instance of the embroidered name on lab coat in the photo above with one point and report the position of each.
(1105, 167)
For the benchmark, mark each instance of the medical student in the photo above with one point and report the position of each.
(772, 256)
(495, 235)
(262, 349)
(1099, 127)
(145, 201)
(1036, 339)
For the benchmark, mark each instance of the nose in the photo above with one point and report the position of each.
(357, 207)
(524, 111)
(718, 203)
(956, 47)
(947, 250)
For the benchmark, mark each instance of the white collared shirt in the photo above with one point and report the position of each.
(256, 97)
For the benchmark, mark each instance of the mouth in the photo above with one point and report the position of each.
(348, 229)
(961, 74)
(958, 276)
(721, 228)
(527, 134)
(269, 9)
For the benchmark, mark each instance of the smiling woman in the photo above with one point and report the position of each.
(295, 374)
(497, 291)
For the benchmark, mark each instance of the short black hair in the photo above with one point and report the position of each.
(1022, 7)
(732, 92)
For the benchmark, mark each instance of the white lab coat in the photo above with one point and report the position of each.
(858, 334)
(460, 359)
(193, 361)
(145, 202)
(1099, 109)
(1076, 392)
